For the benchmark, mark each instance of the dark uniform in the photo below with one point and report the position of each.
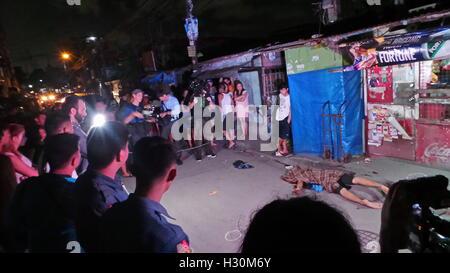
(43, 212)
(94, 194)
(140, 225)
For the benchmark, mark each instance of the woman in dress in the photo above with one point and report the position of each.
(241, 100)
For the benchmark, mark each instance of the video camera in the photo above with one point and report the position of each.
(416, 216)
(199, 89)
(429, 230)
(152, 110)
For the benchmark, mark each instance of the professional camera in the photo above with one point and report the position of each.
(152, 110)
(415, 216)
(199, 89)
(429, 229)
(196, 87)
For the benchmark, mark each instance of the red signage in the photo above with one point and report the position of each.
(433, 144)
(379, 85)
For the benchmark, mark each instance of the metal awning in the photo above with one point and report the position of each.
(231, 72)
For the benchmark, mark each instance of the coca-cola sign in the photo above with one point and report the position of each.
(438, 152)
(433, 144)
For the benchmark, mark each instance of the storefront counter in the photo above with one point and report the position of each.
(433, 143)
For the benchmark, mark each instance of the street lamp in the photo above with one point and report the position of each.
(91, 39)
(65, 57)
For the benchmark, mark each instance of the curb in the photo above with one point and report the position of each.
(291, 160)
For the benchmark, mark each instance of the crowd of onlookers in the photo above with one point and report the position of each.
(60, 184)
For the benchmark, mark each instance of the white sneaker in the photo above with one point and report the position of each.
(212, 156)
(278, 154)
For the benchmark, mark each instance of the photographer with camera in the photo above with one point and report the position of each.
(131, 114)
(169, 113)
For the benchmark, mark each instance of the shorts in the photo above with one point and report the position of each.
(346, 181)
(284, 129)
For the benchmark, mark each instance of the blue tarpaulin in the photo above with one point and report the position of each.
(309, 91)
(161, 77)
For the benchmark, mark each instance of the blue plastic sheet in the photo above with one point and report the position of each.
(309, 91)
(161, 77)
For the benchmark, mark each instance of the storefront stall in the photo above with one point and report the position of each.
(433, 125)
(326, 102)
(407, 94)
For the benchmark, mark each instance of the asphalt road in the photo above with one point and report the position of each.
(213, 201)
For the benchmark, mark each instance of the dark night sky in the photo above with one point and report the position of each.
(39, 29)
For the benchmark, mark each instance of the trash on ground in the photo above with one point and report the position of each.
(288, 167)
(239, 164)
(213, 193)
(233, 235)
(367, 160)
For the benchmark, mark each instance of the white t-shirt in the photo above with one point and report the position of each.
(227, 104)
(285, 107)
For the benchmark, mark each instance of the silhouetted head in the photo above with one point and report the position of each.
(299, 225)
(62, 151)
(107, 145)
(154, 165)
(58, 123)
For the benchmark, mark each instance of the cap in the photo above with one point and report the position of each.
(136, 91)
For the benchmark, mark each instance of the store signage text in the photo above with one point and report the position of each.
(399, 55)
(435, 48)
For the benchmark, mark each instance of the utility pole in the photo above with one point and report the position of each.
(65, 56)
(191, 26)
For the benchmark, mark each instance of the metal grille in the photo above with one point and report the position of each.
(272, 77)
